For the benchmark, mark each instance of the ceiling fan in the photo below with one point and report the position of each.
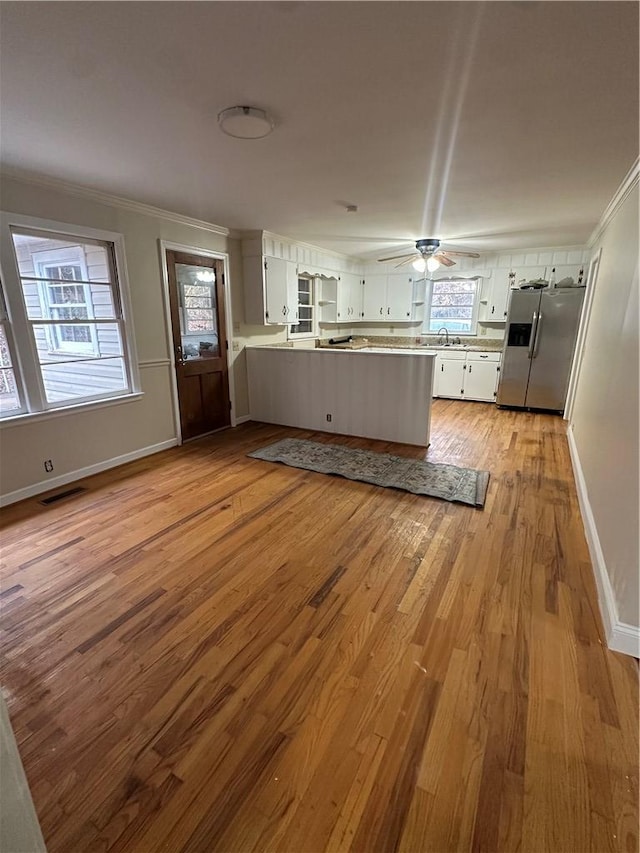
(429, 256)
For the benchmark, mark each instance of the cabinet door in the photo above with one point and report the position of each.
(568, 271)
(293, 298)
(480, 379)
(355, 296)
(450, 377)
(349, 297)
(375, 297)
(498, 295)
(399, 297)
(277, 289)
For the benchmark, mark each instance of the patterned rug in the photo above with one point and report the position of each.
(449, 482)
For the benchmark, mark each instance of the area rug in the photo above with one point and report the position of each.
(449, 482)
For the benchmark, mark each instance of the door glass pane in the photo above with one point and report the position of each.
(198, 308)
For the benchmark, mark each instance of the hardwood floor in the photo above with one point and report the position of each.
(206, 652)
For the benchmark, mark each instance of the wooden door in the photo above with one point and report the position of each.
(196, 298)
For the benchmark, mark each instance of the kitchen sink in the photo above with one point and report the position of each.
(446, 346)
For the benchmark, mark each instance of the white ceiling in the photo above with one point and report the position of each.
(493, 125)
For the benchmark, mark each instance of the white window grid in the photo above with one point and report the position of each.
(20, 327)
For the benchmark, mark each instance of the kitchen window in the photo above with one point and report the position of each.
(67, 332)
(452, 304)
(305, 308)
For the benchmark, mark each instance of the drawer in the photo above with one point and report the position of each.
(484, 356)
(452, 355)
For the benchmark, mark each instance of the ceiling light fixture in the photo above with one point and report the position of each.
(432, 264)
(419, 264)
(245, 122)
(205, 275)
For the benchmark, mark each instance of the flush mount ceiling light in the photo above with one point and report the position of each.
(245, 122)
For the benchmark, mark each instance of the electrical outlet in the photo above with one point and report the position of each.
(483, 330)
(236, 346)
(48, 466)
(329, 418)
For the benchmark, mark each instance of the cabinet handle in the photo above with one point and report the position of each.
(493, 308)
(484, 356)
(469, 368)
(388, 310)
(442, 368)
(381, 310)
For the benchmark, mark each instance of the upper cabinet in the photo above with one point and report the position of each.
(393, 298)
(270, 291)
(569, 275)
(494, 303)
(340, 298)
(349, 297)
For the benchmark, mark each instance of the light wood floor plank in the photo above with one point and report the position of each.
(207, 652)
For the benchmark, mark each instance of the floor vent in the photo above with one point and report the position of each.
(62, 495)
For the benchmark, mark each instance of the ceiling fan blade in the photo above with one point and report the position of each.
(461, 254)
(406, 261)
(447, 262)
(397, 257)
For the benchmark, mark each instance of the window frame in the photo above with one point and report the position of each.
(426, 326)
(5, 325)
(19, 327)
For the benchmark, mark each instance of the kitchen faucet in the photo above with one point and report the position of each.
(446, 331)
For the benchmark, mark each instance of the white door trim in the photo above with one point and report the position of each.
(168, 245)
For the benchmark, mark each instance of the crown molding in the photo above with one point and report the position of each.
(112, 200)
(311, 247)
(628, 183)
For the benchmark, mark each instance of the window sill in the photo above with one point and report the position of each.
(32, 417)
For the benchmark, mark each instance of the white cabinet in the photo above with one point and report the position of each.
(349, 297)
(467, 376)
(481, 376)
(270, 291)
(494, 304)
(392, 298)
(375, 296)
(576, 272)
(449, 374)
(340, 298)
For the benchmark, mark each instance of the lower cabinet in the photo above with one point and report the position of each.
(467, 376)
(449, 374)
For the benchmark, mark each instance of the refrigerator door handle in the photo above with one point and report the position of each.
(537, 335)
(534, 335)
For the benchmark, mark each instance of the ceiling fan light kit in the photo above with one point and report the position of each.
(428, 255)
(245, 122)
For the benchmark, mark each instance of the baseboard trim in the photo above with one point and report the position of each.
(620, 636)
(242, 420)
(81, 473)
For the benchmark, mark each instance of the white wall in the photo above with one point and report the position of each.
(604, 426)
(84, 440)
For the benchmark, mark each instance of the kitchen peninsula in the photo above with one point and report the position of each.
(367, 392)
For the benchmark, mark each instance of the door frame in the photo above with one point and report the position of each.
(169, 245)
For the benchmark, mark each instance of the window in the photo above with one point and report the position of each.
(305, 327)
(67, 322)
(452, 305)
(10, 396)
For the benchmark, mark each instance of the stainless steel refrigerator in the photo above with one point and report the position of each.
(540, 337)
